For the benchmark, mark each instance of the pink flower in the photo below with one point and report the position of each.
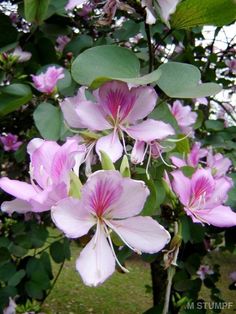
(218, 163)
(11, 308)
(203, 271)
(193, 157)
(10, 142)
(46, 82)
(119, 109)
(49, 174)
(22, 56)
(184, 116)
(167, 7)
(203, 196)
(232, 65)
(61, 42)
(110, 202)
(232, 276)
(71, 4)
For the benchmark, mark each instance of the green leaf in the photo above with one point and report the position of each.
(33, 290)
(48, 120)
(182, 146)
(60, 251)
(107, 62)
(180, 80)
(99, 64)
(163, 113)
(128, 29)
(107, 164)
(4, 255)
(13, 97)
(7, 271)
(124, 167)
(10, 36)
(192, 13)
(75, 185)
(191, 231)
(36, 10)
(16, 278)
(214, 125)
(188, 171)
(79, 44)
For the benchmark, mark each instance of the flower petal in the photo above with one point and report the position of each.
(96, 262)
(111, 145)
(70, 216)
(138, 152)
(178, 162)
(17, 188)
(220, 216)
(142, 233)
(17, 205)
(69, 106)
(91, 116)
(150, 130)
(131, 200)
(220, 193)
(181, 186)
(145, 101)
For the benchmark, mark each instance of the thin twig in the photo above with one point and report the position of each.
(150, 48)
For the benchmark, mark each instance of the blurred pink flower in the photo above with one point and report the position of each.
(71, 4)
(11, 308)
(203, 196)
(50, 167)
(232, 276)
(61, 42)
(10, 142)
(184, 116)
(47, 81)
(232, 65)
(218, 164)
(22, 56)
(203, 271)
(111, 203)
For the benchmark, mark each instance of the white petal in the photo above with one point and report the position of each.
(96, 262)
(142, 233)
(70, 217)
(17, 205)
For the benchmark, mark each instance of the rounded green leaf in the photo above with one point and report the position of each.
(180, 80)
(48, 120)
(192, 13)
(13, 96)
(105, 62)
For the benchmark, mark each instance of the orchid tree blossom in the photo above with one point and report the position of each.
(119, 110)
(10, 142)
(111, 203)
(22, 56)
(218, 163)
(49, 175)
(184, 116)
(192, 159)
(46, 82)
(202, 197)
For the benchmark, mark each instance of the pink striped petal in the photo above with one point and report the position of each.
(181, 186)
(111, 145)
(21, 190)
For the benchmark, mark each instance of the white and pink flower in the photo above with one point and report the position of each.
(111, 203)
(10, 142)
(46, 82)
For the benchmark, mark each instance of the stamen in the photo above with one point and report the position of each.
(123, 142)
(112, 249)
(163, 160)
(148, 162)
(173, 140)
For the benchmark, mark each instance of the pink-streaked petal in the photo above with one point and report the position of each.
(131, 200)
(111, 145)
(64, 161)
(202, 184)
(70, 217)
(17, 205)
(41, 162)
(142, 233)
(44, 200)
(101, 191)
(69, 106)
(91, 116)
(220, 193)
(220, 216)
(145, 101)
(150, 130)
(178, 162)
(196, 154)
(138, 152)
(115, 99)
(181, 186)
(17, 188)
(34, 144)
(96, 262)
